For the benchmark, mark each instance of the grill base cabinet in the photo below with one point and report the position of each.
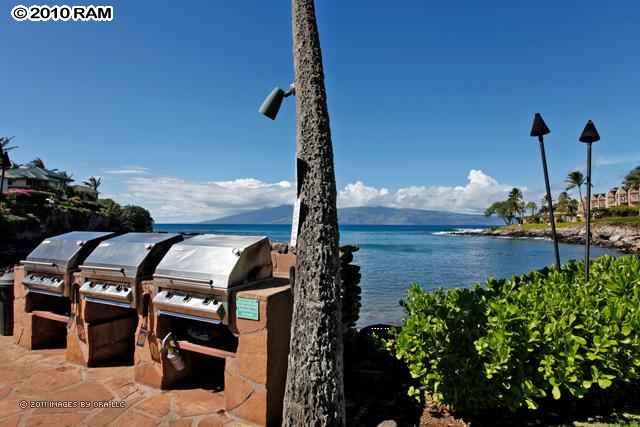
(44, 299)
(226, 307)
(100, 334)
(108, 286)
(253, 376)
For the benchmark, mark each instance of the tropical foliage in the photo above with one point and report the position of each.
(633, 178)
(137, 218)
(4, 144)
(576, 180)
(519, 343)
(93, 183)
(566, 204)
(38, 162)
(513, 208)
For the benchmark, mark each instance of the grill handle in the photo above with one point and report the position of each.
(93, 267)
(186, 279)
(46, 264)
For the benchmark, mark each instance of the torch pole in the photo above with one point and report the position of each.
(587, 246)
(549, 201)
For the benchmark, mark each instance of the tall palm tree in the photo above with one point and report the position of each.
(516, 199)
(533, 207)
(4, 144)
(314, 392)
(5, 162)
(93, 183)
(576, 179)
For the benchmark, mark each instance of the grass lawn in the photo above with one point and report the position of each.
(630, 220)
(537, 226)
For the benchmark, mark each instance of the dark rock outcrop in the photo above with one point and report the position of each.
(625, 238)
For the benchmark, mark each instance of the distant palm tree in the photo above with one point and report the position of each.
(37, 162)
(533, 207)
(93, 183)
(576, 179)
(633, 180)
(516, 200)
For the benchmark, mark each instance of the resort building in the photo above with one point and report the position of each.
(617, 196)
(31, 177)
(634, 197)
(622, 198)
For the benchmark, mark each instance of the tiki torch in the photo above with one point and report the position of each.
(540, 129)
(589, 136)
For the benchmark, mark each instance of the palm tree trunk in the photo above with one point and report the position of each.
(314, 394)
(583, 203)
(2, 182)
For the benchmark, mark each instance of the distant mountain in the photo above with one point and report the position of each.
(278, 215)
(365, 215)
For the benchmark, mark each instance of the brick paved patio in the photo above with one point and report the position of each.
(46, 375)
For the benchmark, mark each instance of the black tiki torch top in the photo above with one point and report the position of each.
(590, 133)
(539, 127)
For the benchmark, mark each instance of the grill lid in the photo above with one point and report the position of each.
(221, 261)
(131, 253)
(66, 250)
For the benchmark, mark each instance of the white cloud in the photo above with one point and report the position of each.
(177, 200)
(616, 160)
(480, 191)
(174, 199)
(129, 170)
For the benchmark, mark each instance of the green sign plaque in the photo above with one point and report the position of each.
(247, 308)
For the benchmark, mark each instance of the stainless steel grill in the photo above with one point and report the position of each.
(194, 279)
(115, 269)
(49, 268)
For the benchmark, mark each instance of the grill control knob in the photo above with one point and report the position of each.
(169, 295)
(119, 288)
(206, 301)
(105, 286)
(186, 298)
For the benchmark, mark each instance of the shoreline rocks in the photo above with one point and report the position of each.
(625, 238)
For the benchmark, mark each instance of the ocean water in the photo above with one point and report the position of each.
(393, 257)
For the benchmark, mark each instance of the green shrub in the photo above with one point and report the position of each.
(515, 343)
(137, 218)
(618, 211)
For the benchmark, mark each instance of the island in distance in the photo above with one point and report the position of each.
(365, 215)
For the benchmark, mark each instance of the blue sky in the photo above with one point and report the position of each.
(431, 104)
